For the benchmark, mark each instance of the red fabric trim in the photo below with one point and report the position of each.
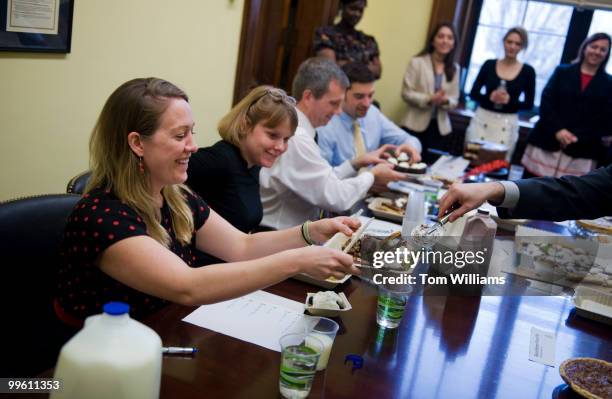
(554, 168)
(585, 79)
(65, 317)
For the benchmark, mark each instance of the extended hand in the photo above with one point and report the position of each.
(372, 158)
(384, 174)
(322, 263)
(470, 196)
(322, 230)
(415, 155)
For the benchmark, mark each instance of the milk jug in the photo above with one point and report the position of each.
(113, 356)
(479, 235)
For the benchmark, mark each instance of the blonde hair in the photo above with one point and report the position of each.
(265, 104)
(137, 106)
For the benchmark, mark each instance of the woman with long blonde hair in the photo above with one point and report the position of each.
(133, 235)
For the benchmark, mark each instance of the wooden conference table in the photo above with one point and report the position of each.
(445, 347)
(459, 347)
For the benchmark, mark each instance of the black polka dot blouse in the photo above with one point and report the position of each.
(97, 221)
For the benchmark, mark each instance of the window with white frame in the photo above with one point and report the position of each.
(550, 27)
(602, 22)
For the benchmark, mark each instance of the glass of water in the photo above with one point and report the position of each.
(391, 305)
(516, 172)
(299, 358)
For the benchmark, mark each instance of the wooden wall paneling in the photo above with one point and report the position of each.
(245, 73)
(441, 11)
(464, 14)
(264, 24)
(276, 37)
(275, 31)
(466, 20)
(308, 16)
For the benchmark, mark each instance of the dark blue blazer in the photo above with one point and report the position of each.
(564, 198)
(587, 114)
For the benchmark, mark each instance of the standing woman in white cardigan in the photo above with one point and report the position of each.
(431, 88)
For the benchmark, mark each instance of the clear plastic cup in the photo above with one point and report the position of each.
(325, 330)
(299, 357)
(390, 309)
(516, 172)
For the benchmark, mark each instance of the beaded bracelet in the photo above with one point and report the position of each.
(306, 233)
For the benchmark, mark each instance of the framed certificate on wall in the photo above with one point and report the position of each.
(36, 25)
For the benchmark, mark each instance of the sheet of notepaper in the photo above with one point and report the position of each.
(260, 318)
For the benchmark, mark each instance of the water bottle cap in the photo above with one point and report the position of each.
(483, 212)
(116, 308)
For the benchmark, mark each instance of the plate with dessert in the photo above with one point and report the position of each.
(389, 209)
(402, 164)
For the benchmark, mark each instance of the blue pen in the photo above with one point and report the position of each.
(175, 350)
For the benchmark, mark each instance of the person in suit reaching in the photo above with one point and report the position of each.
(544, 198)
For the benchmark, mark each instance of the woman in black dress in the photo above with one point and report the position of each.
(504, 81)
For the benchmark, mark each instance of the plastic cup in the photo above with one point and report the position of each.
(299, 357)
(415, 212)
(516, 172)
(390, 309)
(324, 330)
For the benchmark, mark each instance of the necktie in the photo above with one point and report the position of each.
(358, 139)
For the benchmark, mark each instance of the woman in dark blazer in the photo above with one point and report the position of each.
(575, 114)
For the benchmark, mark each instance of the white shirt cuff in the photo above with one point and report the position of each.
(344, 170)
(511, 195)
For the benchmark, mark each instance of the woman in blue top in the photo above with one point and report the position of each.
(505, 80)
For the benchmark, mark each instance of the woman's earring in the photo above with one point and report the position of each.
(141, 165)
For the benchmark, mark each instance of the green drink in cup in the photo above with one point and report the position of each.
(299, 358)
(391, 305)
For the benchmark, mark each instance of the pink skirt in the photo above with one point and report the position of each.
(555, 164)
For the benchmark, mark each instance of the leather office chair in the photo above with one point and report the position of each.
(31, 230)
(77, 184)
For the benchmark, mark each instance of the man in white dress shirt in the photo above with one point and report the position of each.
(301, 181)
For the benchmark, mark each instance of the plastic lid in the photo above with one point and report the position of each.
(356, 360)
(116, 308)
(483, 212)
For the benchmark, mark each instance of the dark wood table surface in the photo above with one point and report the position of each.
(445, 347)
(459, 347)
